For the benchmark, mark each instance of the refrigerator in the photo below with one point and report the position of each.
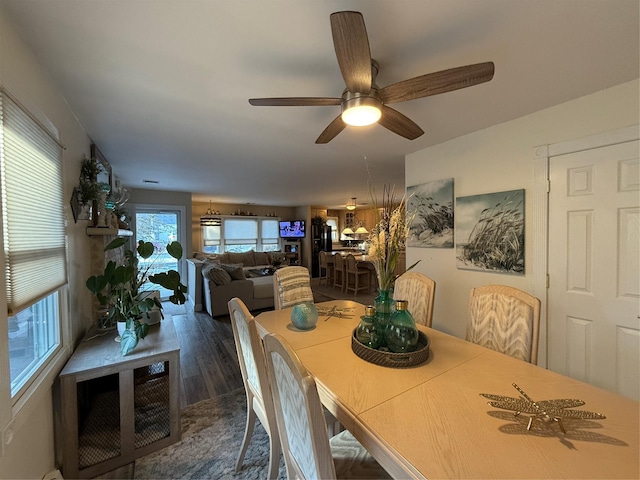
(320, 240)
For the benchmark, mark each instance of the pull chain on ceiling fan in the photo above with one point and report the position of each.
(362, 101)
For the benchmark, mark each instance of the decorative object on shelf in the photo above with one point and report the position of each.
(547, 410)
(119, 196)
(401, 334)
(121, 288)
(304, 316)
(367, 331)
(103, 212)
(88, 190)
(386, 358)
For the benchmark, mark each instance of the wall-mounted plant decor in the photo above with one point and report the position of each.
(432, 224)
(490, 232)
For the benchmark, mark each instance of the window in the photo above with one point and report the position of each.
(241, 234)
(34, 250)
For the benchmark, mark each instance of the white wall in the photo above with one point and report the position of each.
(497, 159)
(30, 453)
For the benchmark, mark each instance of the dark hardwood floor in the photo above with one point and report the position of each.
(208, 362)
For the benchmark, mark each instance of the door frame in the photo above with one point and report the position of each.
(542, 156)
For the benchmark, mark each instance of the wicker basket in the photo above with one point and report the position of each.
(390, 359)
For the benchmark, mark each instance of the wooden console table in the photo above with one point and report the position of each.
(117, 408)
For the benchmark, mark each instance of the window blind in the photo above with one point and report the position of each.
(237, 229)
(32, 208)
(270, 230)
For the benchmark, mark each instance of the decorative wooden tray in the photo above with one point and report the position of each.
(390, 359)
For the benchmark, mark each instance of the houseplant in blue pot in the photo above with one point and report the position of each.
(123, 288)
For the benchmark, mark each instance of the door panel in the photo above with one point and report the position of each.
(594, 280)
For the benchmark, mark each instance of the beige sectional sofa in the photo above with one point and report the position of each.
(217, 278)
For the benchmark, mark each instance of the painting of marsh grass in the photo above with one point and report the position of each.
(432, 205)
(490, 232)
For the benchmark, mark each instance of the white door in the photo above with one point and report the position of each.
(594, 265)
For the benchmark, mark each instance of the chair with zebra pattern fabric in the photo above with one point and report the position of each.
(505, 319)
(308, 451)
(419, 290)
(256, 384)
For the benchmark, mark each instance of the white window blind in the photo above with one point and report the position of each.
(270, 230)
(240, 230)
(32, 208)
(211, 235)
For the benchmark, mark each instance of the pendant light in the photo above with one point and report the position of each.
(209, 219)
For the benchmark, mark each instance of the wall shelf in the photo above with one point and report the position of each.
(106, 231)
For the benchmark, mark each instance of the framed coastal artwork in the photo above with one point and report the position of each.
(432, 206)
(490, 232)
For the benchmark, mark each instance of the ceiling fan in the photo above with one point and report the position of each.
(363, 102)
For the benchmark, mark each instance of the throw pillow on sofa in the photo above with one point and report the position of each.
(245, 258)
(216, 274)
(234, 270)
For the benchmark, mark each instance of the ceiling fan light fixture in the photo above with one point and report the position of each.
(361, 110)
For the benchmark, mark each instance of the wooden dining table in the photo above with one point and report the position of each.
(430, 421)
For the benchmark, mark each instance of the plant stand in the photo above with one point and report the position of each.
(117, 408)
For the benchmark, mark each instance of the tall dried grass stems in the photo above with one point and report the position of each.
(389, 235)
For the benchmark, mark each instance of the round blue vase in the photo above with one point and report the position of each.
(304, 316)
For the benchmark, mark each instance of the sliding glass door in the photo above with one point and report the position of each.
(160, 226)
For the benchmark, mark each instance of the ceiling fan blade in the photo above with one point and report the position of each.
(438, 82)
(400, 124)
(294, 101)
(352, 49)
(332, 130)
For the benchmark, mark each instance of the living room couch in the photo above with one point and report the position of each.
(217, 278)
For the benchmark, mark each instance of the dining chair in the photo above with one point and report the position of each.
(505, 319)
(291, 285)
(356, 278)
(339, 272)
(308, 451)
(326, 267)
(419, 290)
(256, 383)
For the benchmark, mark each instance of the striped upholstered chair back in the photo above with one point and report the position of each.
(505, 319)
(308, 451)
(291, 285)
(256, 384)
(419, 290)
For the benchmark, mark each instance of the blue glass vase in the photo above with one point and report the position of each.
(385, 307)
(304, 316)
(401, 334)
(367, 331)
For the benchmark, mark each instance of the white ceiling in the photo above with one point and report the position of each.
(161, 86)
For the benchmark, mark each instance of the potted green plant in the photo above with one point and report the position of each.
(121, 289)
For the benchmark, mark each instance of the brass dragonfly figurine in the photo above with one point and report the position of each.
(342, 312)
(547, 410)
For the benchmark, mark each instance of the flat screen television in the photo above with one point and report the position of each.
(292, 229)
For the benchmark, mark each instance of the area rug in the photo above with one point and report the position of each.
(212, 432)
